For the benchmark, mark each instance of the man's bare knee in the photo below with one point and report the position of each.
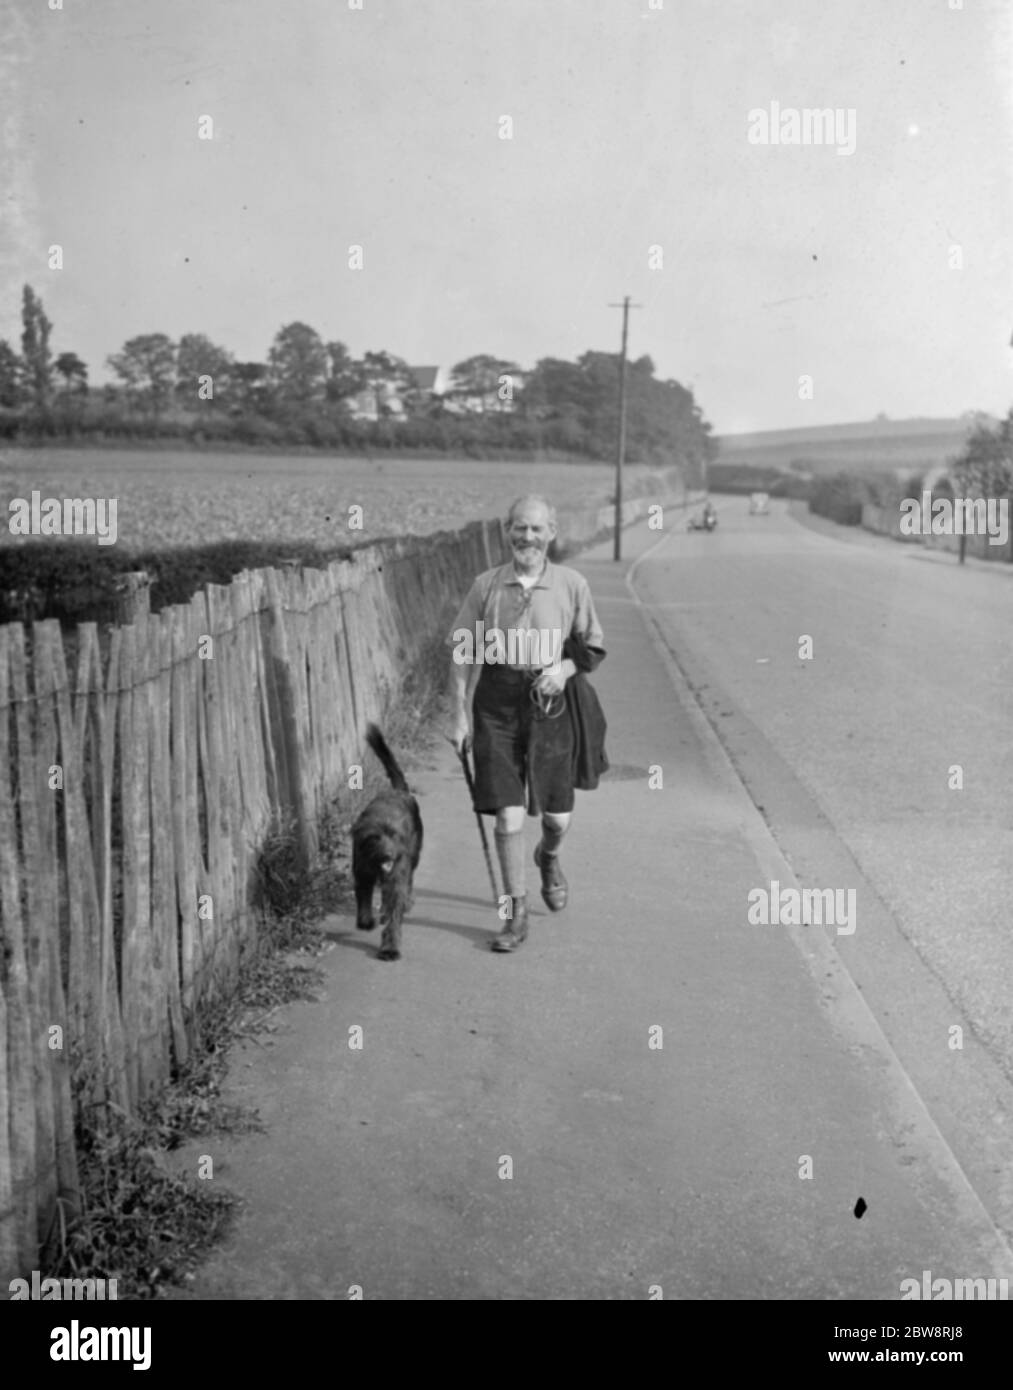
(510, 819)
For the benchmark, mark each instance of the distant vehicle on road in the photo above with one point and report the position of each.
(758, 504)
(704, 520)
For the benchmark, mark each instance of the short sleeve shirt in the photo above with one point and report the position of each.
(534, 621)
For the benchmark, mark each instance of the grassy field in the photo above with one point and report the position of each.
(183, 498)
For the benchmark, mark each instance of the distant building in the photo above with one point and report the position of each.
(375, 401)
(435, 380)
(387, 399)
(487, 402)
(362, 406)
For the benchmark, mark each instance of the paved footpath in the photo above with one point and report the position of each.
(632, 1165)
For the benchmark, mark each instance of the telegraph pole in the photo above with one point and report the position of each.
(621, 449)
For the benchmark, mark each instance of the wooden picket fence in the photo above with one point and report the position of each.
(141, 769)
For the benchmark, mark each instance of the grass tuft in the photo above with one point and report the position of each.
(139, 1224)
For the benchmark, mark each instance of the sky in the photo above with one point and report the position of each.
(881, 273)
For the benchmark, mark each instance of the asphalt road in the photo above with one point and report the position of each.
(785, 1049)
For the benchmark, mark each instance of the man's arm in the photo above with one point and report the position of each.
(460, 679)
(585, 620)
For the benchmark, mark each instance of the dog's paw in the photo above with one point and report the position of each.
(366, 926)
(388, 953)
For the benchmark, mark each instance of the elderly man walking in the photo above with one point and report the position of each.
(525, 634)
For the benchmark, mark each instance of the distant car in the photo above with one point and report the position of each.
(758, 504)
(704, 520)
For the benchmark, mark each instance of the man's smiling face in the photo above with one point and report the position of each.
(530, 533)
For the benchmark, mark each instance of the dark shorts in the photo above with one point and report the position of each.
(522, 758)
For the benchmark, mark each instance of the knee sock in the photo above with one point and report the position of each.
(510, 849)
(552, 835)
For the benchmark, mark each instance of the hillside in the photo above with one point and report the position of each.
(875, 445)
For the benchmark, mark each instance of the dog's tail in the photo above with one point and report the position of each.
(378, 744)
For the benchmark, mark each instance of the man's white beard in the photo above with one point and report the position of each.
(523, 557)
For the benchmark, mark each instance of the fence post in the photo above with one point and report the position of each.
(133, 597)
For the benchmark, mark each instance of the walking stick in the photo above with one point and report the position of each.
(481, 828)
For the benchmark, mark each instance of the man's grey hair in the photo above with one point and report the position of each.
(531, 497)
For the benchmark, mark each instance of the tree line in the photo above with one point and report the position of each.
(308, 390)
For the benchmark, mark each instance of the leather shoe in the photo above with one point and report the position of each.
(554, 885)
(515, 932)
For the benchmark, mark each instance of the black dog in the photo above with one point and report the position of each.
(386, 844)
